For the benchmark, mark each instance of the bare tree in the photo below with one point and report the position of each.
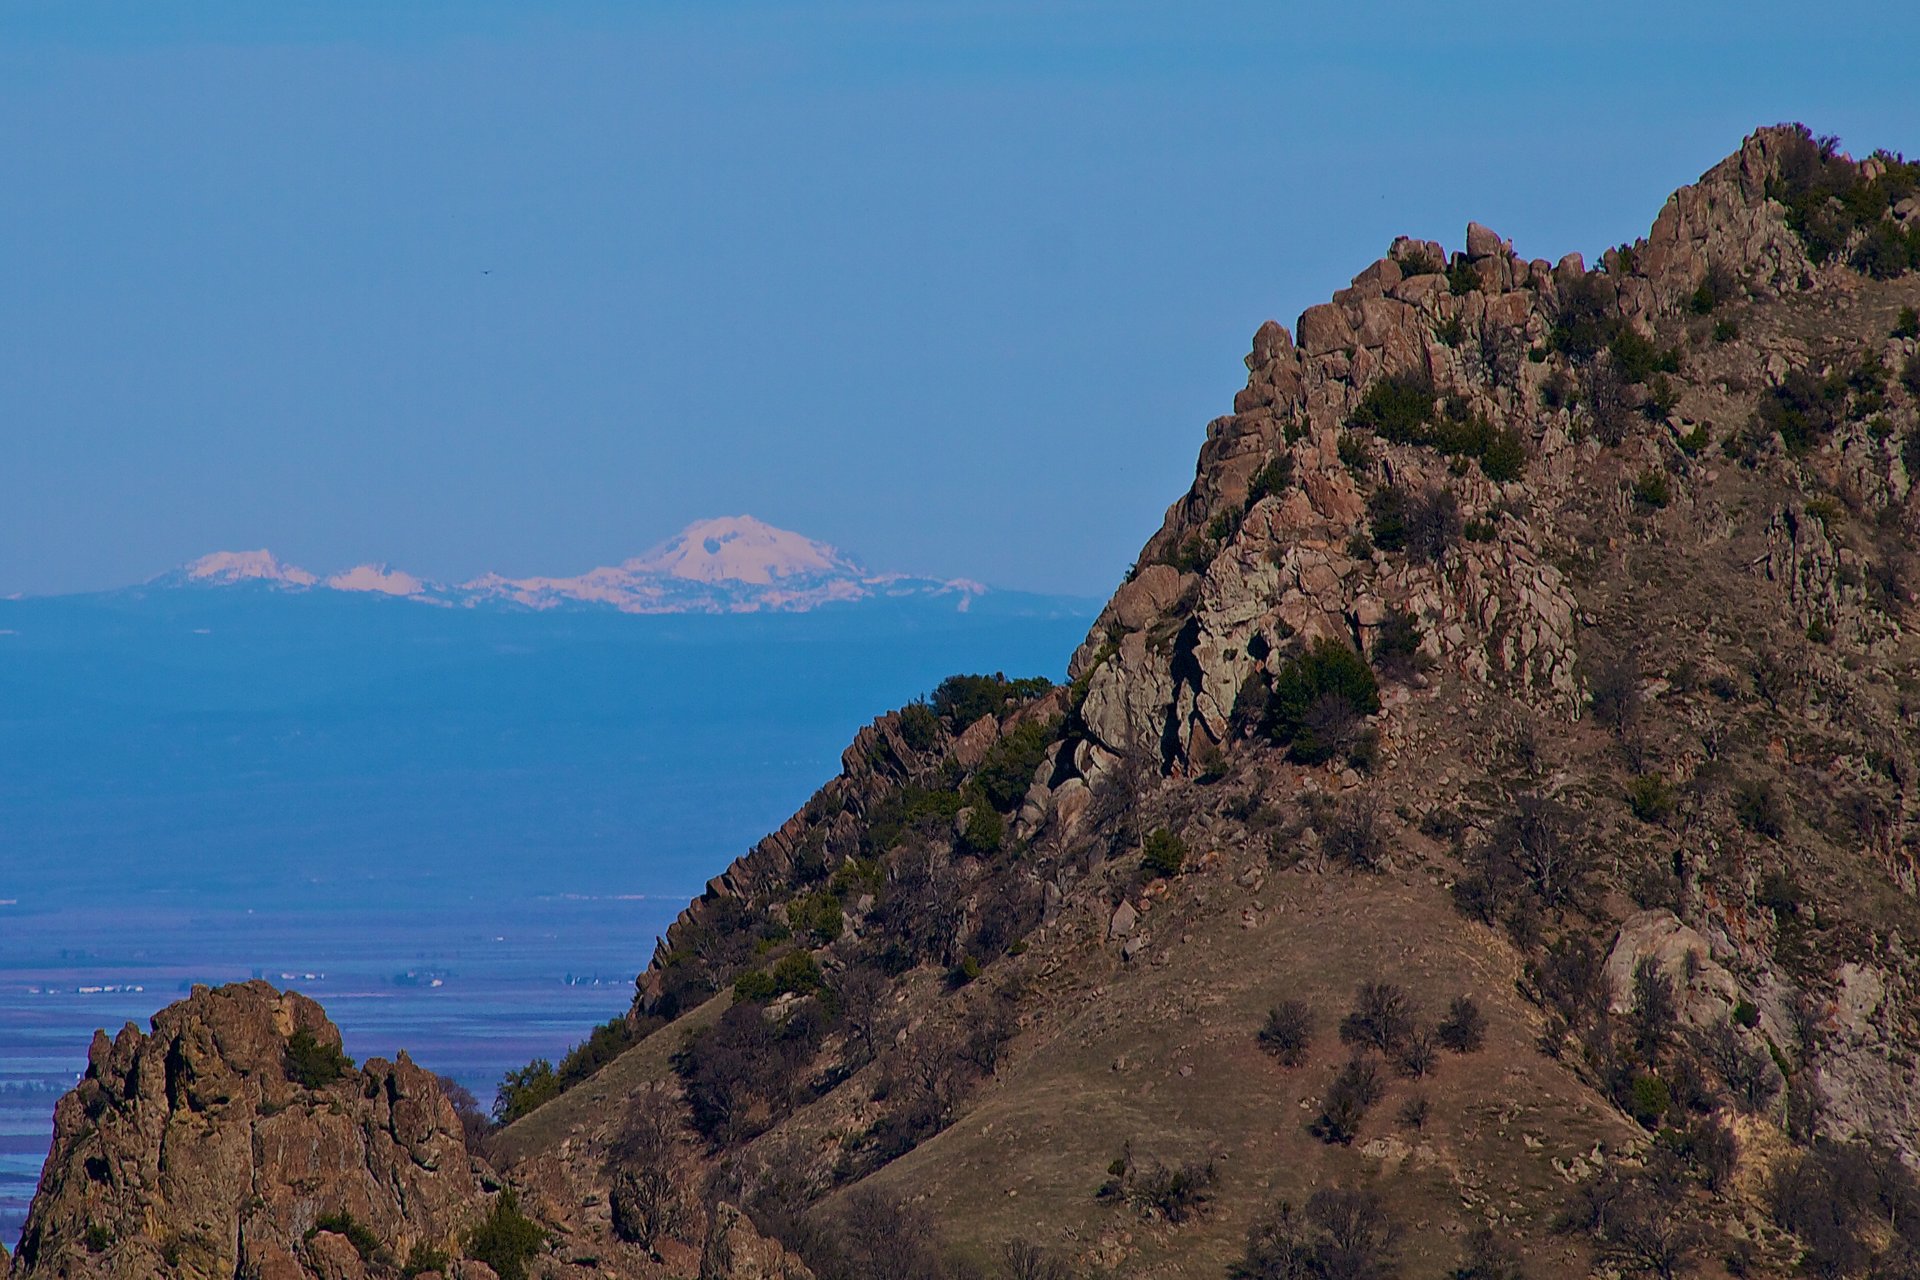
(647, 1169)
(862, 995)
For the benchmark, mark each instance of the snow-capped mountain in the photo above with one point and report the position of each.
(729, 564)
(225, 568)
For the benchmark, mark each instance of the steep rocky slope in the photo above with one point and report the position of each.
(1475, 835)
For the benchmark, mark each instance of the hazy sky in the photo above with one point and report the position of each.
(473, 285)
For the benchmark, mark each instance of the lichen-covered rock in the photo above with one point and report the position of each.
(195, 1149)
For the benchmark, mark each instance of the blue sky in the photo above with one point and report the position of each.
(480, 286)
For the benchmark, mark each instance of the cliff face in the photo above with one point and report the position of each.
(1499, 609)
(1479, 826)
(194, 1150)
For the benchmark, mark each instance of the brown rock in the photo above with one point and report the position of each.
(1384, 274)
(1143, 601)
(196, 1136)
(1483, 243)
(735, 1251)
(1271, 342)
(1324, 328)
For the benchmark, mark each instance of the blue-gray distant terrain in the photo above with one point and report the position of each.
(459, 824)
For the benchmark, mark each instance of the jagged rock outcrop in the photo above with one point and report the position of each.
(1158, 682)
(192, 1150)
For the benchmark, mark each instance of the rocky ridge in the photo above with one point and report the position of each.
(1531, 635)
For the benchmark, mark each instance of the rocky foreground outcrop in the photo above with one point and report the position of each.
(195, 1150)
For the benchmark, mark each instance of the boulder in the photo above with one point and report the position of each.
(1271, 342)
(736, 1251)
(1483, 243)
(1324, 328)
(1707, 993)
(1143, 601)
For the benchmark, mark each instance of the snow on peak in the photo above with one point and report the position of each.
(247, 566)
(376, 578)
(729, 564)
(740, 549)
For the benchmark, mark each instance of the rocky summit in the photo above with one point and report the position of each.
(1473, 842)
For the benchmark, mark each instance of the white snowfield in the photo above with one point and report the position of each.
(728, 564)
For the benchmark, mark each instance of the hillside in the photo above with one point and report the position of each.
(1473, 840)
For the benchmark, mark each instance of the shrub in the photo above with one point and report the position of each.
(1715, 288)
(919, 726)
(1586, 322)
(1164, 854)
(313, 1064)
(98, 1239)
(1192, 556)
(1649, 1100)
(1397, 408)
(1387, 518)
(1382, 1018)
(1908, 325)
(424, 1258)
(1418, 262)
(1173, 1193)
(986, 830)
(962, 699)
(1351, 833)
(1415, 1110)
(1613, 692)
(1417, 1056)
(966, 970)
(506, 1239)
(1351, 1095)
(1159, 1190)
(1758, 807)
(1450, 331)
(1462, 279)
(1316, 698)
(1662, 398)
(1489, 1257)
(1007, 771)
(1651, 797)
(1725, 331)
(1288, 1033)
(1271, 480)
(1396, 645)
(1464, 1029)
(1910, 375)
(523, 1090)
(1655, 1007)
(1505, 458)
(1802, 409)
(357, 1233)
(739, 1075)
(1536, 848)
(1344, 1235)
(819, 916)
(1354, 451)
(1432, 524)
(1636, 359)
(1747, 1014)
(1024, 1260)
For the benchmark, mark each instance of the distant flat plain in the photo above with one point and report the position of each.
(460, 831)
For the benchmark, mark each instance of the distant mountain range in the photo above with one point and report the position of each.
(729, 564)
